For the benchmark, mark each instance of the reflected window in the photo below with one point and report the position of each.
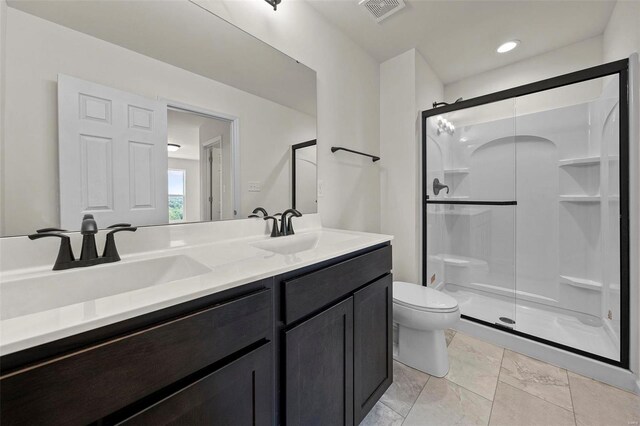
(177, 181)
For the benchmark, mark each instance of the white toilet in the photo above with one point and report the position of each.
(423, 314)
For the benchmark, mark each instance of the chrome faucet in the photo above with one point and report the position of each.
(89, 252)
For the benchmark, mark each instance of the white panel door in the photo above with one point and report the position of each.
(112, 151)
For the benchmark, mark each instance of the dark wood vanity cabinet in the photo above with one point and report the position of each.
(310, 347)
(319, 369)
(337, 341)
(182, 365)
(373, 344)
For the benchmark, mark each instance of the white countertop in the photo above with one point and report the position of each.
(232, 263)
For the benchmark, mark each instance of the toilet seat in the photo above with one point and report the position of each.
(422, 298)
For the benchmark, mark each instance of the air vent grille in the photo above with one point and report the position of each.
(382, 9)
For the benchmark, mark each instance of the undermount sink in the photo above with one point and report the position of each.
(25, 296)
(302, 242)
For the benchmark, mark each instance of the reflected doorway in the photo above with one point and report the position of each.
(202, 146)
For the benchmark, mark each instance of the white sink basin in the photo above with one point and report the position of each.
(24, 296)
(302, 242)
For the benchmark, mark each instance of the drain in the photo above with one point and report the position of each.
(507, 320)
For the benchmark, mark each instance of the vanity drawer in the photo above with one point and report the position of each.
(311, 292)
(240, 393)
(87, 385)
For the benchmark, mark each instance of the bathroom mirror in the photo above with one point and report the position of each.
(107, 111)
(304, 171)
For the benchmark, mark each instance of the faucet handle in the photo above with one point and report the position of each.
(89, 225)
(274, 228)
(119, 225)
(65, 252)
(110, 249)
(47, 230)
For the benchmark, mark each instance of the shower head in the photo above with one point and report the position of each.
(437, 104)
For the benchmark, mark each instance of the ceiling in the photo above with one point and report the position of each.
(459, 38)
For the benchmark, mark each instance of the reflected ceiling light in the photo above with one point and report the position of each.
(508, 46)
(274, 3)
(173, 147)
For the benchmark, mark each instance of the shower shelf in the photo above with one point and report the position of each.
(581, 161)
(584, 161)
(580, 198)
(459, 171)
(581, 282)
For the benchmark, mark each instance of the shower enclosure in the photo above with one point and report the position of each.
(526, 214)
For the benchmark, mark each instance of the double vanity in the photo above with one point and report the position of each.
(193, 328)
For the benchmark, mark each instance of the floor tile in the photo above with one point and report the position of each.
(448, 335)
(598, 404)
(474, 364)
(443, 403)
(381, 415)
(537, 378)
(513, 407)
(407, 385)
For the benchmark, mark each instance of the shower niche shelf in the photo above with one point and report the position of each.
(585, 161)
(580, 162)
(580, 198)
(457, 171)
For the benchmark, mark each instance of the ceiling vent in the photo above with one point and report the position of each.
(382, 9)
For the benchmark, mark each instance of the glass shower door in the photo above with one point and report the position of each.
(568, 192)
(470, 218)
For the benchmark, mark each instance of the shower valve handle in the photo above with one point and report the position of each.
(437, 186)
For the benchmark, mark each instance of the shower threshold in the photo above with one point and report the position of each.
(563, 327)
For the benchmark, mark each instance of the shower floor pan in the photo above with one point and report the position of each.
(537, 320)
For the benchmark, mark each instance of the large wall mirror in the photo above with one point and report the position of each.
(147, 113)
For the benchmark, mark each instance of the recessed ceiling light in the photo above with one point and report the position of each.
(173, 147)
(508, 46)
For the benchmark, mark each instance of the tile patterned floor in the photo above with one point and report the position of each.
(488, 385)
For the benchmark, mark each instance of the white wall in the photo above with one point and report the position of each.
(407, 84)
(38, 50)
(621, 38)
(622, 35)
(192, 190)
(348, 102)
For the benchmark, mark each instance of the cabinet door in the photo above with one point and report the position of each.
(238, 394)
(319, 369)
(372, 348)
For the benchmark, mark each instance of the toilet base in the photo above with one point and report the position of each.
(424, 350)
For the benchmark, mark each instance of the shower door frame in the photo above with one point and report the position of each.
(619, 68)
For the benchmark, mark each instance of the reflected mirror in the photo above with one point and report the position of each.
(304, 171)
(107, 111)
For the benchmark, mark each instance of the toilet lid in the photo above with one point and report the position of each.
(422, 298)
